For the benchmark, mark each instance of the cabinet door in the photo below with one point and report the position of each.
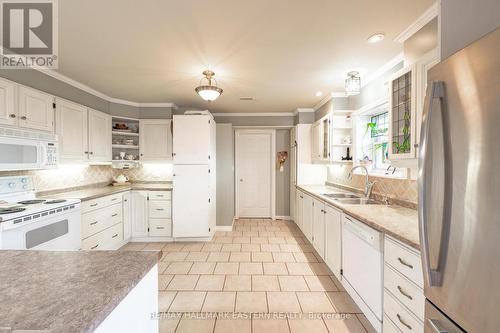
(139, 213)
(333, 245)
(71, 128)
(316, 142)
(155, 140)
(319, 227)
(402, 114)
(8, 113)
(99, 136)
(36, 109)
(191, 201)
(191, 136)
(127, 211)
(299, 198)
(307, 217)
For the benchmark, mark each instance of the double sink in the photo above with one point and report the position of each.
(350, 199)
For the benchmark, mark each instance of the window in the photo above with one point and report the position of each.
(379, 128)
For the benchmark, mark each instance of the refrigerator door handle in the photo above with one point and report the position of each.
(436, 90)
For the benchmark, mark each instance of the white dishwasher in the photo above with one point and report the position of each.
(363, 262)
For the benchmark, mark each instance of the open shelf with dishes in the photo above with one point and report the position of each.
(341, 138)
(125, 141)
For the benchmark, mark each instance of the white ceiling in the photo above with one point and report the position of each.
(281, 52)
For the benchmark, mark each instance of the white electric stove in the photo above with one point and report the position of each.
(27, 222)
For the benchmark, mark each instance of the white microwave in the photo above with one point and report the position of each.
(27, 150)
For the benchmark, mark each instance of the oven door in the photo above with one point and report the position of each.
(58, 233)
(20, 154)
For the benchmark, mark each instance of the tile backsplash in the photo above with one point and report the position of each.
(400, 189)
(75, 175)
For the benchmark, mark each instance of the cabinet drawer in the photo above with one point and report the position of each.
(113, 199)
(160, 209)
(160, 227)
(90, 205)
(92, 243)
(389, 326)
(400, 316)
(405, 291)
(404, 260)
(98, 220)
(112, 237)
(160, 195)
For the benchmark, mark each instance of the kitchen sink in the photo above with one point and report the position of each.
(340, 195)
(357, 201)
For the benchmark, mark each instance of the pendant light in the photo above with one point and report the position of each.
(353, 83)
(208, 92)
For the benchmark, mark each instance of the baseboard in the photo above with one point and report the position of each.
(286, 218)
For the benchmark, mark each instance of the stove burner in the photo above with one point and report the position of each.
(11, 210)
(54, 201)
(31, 202)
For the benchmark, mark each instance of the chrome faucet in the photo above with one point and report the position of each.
(368, 183)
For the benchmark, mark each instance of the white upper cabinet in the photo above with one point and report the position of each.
(99, 136)
(316, 142)
(36, 109)
(8, 113)
(191, 138)
(72, 130)
(155, 140)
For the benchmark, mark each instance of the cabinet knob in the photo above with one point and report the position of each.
(24, 118)
(91, 153)
(173, 154)
(12, 115)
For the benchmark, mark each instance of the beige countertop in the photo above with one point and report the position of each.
(67, 291)
(92, 192)
(398, 222)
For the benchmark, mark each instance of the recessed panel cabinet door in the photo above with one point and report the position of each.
(319, 227)
(139, 213)
(191, 137)
(333, 245)
(8, 113)
(36, 110)
(99, 136)
(155, 140)
(307, 217)
(71, 128)
(127, 219)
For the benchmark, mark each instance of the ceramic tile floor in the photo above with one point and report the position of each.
(263, 276)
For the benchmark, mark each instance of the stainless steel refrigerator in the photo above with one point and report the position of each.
(459, 190)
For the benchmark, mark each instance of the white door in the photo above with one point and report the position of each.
(191, 137)
(319, 227)
(155, 140)
(307, 217)
(99, 136)
(36, 109)
(333, 245)
(255, 173)
(191, 201)
(139, 213)
(71, 128)
(127, 220)
(8, 113)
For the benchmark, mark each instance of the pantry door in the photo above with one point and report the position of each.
(255, 178)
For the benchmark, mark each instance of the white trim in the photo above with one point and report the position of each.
(223, 228)
(255, 114)
(261, 130)
(422, 20)
(81, 86)
(383, 69)
(370, 106)
(286, 218)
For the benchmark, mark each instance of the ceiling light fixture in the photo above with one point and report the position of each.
(319, 94)
(375, 38)
(208, 92)
(352, 83)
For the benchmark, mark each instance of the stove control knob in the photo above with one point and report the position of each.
(12, 185)
(25, 187)
(24, 180)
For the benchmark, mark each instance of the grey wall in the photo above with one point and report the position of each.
(336, 103)
(304, 118)
(464, 21)
(257, 121)
(225, 174)
(283, 178)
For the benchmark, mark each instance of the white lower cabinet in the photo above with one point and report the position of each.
(333, 240)
(299, 202)
(318, 229)
(307, 217)
(127, 215)
(152, 214)
(139, 214)
(102, 223)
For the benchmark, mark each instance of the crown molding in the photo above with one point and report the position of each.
(422, 20)
(255, 114)
(87, 89)
(303, 110)
(383, 69)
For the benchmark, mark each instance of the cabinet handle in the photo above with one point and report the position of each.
(403, 322)
(159, 195)
(91, 153)
(94, 247)
(12, 115)
(160, 209)
(86, 152)
(115, 214)
(24, 118)
(404, 293)
(125, 200)
(114, 199)
(404, 263)
(160, 227)
(93, 205)
(94, 223)
(301, 197)
(114, 236)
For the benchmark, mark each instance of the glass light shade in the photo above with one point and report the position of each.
(209, 93)
(352, 84)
